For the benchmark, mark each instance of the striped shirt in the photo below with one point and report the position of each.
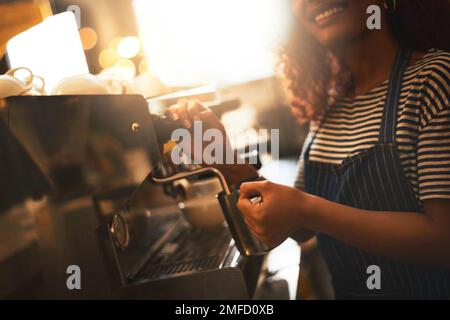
(423, 127)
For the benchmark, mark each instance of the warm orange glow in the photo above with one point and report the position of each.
(143, 66)
(88, 38)
(125, 68)
(212, 42)
(114, 42)
(128, 47)
(108, 58)
(16, 17)
(51, 49)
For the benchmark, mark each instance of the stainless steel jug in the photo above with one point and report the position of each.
(245, 240)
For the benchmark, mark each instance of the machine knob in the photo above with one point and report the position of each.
(119, 231)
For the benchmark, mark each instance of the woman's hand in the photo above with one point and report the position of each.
(190, 111)
(281, 212)
(421, 238)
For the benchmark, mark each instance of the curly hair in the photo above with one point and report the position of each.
(314, 78)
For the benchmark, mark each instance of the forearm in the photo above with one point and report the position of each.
(407, 236)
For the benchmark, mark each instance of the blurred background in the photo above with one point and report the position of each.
(163, 46)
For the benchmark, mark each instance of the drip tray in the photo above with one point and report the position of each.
(193, 250)
(163, 270)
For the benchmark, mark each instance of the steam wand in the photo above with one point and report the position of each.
(184, 175)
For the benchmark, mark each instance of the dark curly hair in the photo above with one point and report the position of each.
(315, 79)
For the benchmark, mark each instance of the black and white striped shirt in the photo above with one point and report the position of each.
(423, 127)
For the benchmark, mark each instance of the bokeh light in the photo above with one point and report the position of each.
(143, 66)
(128, 47)
(108, 58)
(126, 68)
(114, 42)
(88, 38)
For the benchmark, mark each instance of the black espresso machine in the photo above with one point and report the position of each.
(82, 167)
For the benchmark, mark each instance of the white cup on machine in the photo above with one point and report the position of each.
(81, 84)
(11, 84)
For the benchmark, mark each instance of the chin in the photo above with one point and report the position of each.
(337, 35)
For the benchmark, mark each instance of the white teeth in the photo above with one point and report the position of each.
(328, 13)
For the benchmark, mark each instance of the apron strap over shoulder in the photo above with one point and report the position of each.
(389, 120)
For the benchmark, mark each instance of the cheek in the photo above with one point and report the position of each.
(341, 32)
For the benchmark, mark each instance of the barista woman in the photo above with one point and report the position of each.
(374, 180)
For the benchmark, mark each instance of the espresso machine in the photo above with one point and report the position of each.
(91, 172)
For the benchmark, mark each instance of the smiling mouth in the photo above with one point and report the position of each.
(325, 13)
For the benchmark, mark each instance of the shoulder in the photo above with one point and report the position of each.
(434, 67)
(432, 83)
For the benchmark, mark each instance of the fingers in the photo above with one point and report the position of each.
(182, 106)
(245, 206)
(258, 231)
(255, 214)
(251, 189)
(187, 112)
(252, 212)
(250, 224)
(262, 218)
(194, 109)
(179, 112)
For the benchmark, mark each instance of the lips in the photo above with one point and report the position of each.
(323, 11)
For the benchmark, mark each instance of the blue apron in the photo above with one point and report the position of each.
(373, 180)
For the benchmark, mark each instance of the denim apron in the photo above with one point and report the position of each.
(373, 180)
